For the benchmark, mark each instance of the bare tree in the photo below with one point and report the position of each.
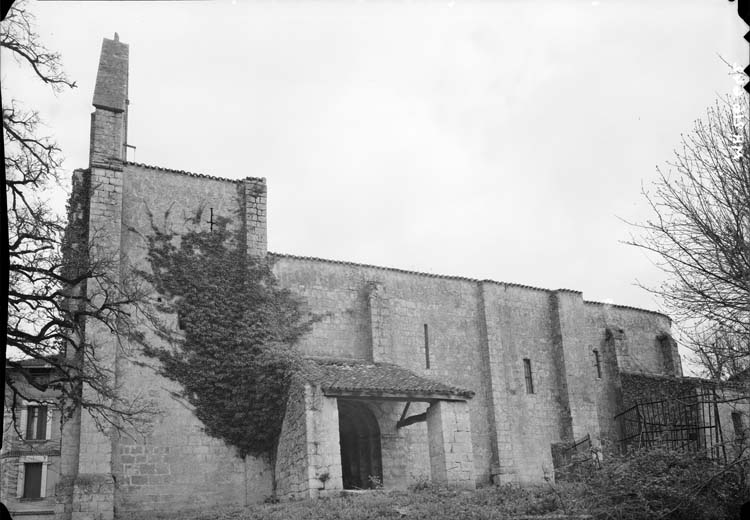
(51, 270)
(700, 234)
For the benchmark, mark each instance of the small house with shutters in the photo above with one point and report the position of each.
(30, 456)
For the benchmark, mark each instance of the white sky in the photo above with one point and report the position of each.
(500, 140)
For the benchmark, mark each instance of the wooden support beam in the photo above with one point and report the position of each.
(411, 420)
(403, 414)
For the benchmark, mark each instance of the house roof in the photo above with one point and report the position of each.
(351, 378)
(32, 362)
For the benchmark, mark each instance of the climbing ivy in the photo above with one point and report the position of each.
(236, 356)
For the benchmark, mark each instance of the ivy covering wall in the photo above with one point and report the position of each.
(234, 355)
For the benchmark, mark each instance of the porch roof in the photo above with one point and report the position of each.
(361, 379)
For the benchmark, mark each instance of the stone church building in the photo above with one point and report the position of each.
(414, 376)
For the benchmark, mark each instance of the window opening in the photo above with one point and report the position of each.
(426, 347)
(598, 363)
(32, 480)
(739, 427)
(36, 423)
(528, 375)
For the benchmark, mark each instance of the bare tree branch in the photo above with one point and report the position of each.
(699, 234)
(59, 283)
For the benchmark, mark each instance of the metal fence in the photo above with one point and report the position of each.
(688, 422)
(570, 458)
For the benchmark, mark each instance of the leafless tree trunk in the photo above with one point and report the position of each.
(49, 263)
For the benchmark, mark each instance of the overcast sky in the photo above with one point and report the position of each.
(500, 140)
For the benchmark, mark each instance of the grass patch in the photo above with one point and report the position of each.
(428, 503)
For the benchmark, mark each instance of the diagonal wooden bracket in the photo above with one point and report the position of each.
(406, 421)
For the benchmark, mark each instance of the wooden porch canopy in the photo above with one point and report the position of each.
(351, 379)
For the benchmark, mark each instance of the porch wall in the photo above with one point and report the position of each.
(308, 461)
(291, 458)
(451, 456)
(404, 452)
(322, 443)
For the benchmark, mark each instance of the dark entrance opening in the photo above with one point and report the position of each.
(359, 435)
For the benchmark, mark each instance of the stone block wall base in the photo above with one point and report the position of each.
(64, 498)
(451, 452)
(93, 497)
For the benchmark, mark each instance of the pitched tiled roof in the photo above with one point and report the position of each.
(192, 174)
(372, 379)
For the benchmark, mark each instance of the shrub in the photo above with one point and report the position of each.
(659, 483)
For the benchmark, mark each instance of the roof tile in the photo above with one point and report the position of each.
(360, 376)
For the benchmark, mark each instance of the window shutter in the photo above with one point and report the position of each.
(50, 420)
(41, 423)
(43, 485)
(20, 479)
(22, 422)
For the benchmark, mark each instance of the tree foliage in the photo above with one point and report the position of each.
(700, 235)
(56, 287)
(234, 357)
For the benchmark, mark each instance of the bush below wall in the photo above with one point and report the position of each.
(645, 485)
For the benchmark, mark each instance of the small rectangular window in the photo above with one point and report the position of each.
(426, 347)
(32, 480)
(598, 364)
(738, 424)
(36, 423)
(180, 321)
(528, 375)
(39, 376)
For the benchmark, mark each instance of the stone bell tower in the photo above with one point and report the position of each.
(87, 487)
(109, 122)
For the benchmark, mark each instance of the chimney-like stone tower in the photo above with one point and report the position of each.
(109, 122)
(87, 488)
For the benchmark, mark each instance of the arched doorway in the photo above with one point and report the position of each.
(359, 436)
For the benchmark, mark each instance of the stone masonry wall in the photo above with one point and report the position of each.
(479, 335)
(645, 388)
(520, 325)
(254, 202)
(404, 303)
(568, 312)
(451, 457)
(291, 459)
(735, 430)
(176, 466)
(324, 474)
(626, 340)
(639, 348)
(106, 141)
(405, 452)
(92, 483)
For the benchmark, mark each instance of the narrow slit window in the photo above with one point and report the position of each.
(529, 376)
(180, 321)
(598, 363)
(426, 347)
